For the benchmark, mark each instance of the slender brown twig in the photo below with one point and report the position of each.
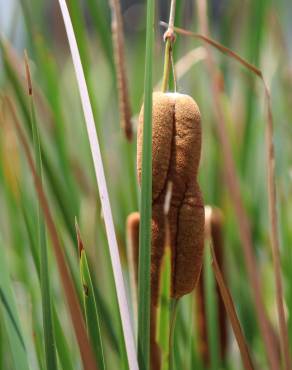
(218, 46)
(230, 309)
(274, 236)
(119, 54)
(213, 232)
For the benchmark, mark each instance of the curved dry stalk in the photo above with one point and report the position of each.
(229, 306)
(119, 54)
(218, 46)
(274, 235)
(213, 232)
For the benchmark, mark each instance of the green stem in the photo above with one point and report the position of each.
(169, 37)
(173, 313)
(167, 64)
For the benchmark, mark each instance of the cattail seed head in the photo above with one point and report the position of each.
(176, 145)
(133, 222)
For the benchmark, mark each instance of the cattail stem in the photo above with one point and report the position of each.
(173, 314)
(169, 37)
(168, 48)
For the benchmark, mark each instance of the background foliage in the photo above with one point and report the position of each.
(261, 32)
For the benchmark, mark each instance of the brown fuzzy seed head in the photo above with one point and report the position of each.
(133, 222)
(176, 145)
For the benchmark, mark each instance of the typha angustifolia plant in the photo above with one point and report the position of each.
(59, 94)
(176, 150)
(176, 154)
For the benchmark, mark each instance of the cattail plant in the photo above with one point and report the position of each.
(176, 142)
(62, 307)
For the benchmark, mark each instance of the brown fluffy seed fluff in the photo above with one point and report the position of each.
(214, 230)
(176, 150)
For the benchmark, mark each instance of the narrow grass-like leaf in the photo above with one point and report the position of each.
(101, 19)
(57, 185)
(11, 321)
(48, 69)
(61, 342)
(72, 300)
(64, 354)
(107, 320)
(79, 29)
(99, 171)
(91, 314)
(11, 317)
(258, 16)
(144, 295)
(50, 346)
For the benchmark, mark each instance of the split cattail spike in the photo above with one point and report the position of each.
(176, 143)
(176, 155)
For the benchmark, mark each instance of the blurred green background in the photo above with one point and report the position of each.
(261, 32)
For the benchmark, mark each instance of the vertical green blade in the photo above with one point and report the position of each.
(11, 321)
(50, 345)
(92, 317)
(144, 295)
